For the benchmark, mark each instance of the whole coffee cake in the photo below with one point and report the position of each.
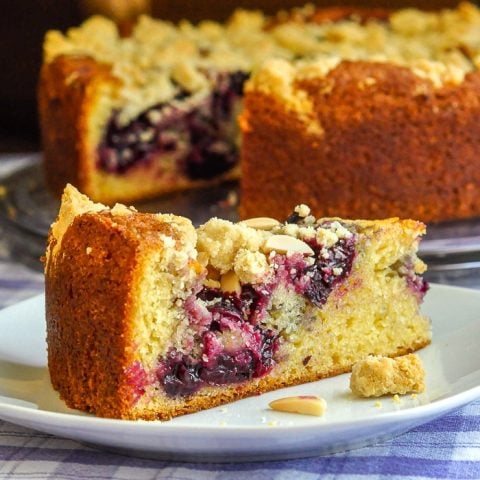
(388, 106)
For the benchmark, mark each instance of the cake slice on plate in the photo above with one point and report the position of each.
(150, 318)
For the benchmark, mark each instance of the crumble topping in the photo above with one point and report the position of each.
(221, 240)
(249, 251)
(251, 267)
(302, 210)
(73, 203)
(376, 376)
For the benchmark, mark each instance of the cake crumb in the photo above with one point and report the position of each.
(378, 404)
(396, 399)
(302, 210)
(88, 250)
(375, 376)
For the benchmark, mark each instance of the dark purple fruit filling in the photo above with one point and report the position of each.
(294, 217)
(250, 305)
(232, 348)
(233, 343)
(331, 267)
(201, 136)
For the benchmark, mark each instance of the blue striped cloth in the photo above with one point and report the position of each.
(448, 447)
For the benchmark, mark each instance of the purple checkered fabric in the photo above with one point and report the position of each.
(445, 448)
(448, 447)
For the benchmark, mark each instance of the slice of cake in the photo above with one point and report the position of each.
(150, 318)
(393, 110)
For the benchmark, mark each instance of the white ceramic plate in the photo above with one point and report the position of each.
(247, 430)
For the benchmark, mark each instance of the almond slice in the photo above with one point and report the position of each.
(261, 223)
(210, 283)
(303, 404)
(229, 282)
(285, 244)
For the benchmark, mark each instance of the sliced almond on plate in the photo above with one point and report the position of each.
(303, 404)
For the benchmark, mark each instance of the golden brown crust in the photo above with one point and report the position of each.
(89, 288)
(67, 90)
(394, 146)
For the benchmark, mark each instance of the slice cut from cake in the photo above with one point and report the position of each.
(150, 318)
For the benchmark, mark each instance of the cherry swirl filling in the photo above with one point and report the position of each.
(196, 133)
(232, 342)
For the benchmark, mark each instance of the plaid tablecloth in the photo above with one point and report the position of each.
(446, 448)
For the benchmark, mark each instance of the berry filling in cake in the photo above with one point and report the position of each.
(234, 328)
(235, 335)
(193, 134)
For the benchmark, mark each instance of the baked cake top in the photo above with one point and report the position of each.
(173, 234)
(244, 250)
(160, 59)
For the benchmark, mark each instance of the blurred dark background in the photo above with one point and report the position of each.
(23, 24)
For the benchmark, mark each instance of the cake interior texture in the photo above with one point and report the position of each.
(125, 118)
(150, 318)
